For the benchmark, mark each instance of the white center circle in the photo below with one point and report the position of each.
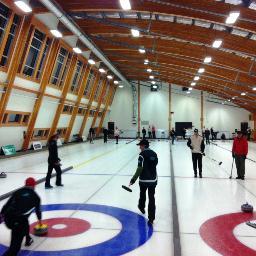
(59, 226)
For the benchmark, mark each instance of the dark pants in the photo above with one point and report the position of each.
(184, 136)
(154, 135)
(91, 138)
(240, 165)
(197, 160)
(105, 138)
(151, 199)
(207, 140)
(144, 135)
(117, 137)
(20, 228)
(57, 168)
(173, 138)
(149, 135)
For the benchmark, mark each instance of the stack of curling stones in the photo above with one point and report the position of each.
(247, 208)
(3, 175)
(41, 230)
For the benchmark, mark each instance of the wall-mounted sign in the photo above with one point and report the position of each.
(37, 145)
(9, 150)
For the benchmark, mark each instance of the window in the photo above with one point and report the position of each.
(62, 132)
(97, 92)
(41, 134)
(67, 109)
(13, 118)
(60, 68)
(5, 18)
(43, 59)
(92, 111)
(81, 111)
(100, 114)
(77, 77)
(89, 83)
(36, 44)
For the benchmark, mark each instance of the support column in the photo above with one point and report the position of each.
(46, 75)
(202, 110)
(170, 107)
(89, 105)
(71, 69)
(82, 86)
(139, 109)
(254, 128)
(105, 82)
(112, 91)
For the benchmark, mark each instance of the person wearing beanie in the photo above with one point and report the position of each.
(146, 171)
(239, 152)
(53, 162)
(196, 144)
(16, 213)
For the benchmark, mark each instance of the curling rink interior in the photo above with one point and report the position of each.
(92, 214)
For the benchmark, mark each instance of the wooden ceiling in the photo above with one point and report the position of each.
(177, 35)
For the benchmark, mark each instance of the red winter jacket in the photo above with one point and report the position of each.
(240, 146)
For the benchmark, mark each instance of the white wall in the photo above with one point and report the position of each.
(186, 108)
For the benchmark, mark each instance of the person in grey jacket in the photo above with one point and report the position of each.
(196, 144)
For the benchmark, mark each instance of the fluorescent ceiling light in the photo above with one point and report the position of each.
(233, 16)
(151, 77)
(254, 88)
(135, 32)
(243, 93)
(125, 4)
(196, 78)
(190, 89)
(110, 77)
(217, 43)
(155, 86)
(229, 100)
(193, 84)
(233, 98)
(153, 82)
(145, 63)
(207, 59)
(149, 70)
(201, 70)
(142, 50)
(116, 82)
(23, 6)
(77, 50)
(146, 60)
(121, 86)
(92, 62)
(102, 70)
(56, 33)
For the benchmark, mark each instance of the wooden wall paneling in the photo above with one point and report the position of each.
(104, 87)
(67, 82)
(107, 104)
(89, 105)
(82, 86)
(7, 31)
(46, 75)
(139, 109)
(14, 65)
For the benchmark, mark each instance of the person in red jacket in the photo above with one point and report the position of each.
(239, 152)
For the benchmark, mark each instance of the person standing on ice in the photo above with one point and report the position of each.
(239, 152)
(196, 144)
(146, 171)
(117, 134)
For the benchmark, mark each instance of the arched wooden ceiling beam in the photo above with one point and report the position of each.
(205, 10)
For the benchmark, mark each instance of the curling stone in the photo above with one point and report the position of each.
(247, 208)
(3, 175)
(41, 230)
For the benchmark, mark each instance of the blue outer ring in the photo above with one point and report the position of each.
(134, 233)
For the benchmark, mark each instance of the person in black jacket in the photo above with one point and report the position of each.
(16, 213)
(91, 134)
(146, 171)
(207, 136)
(53, 162)
(105, 133)
(144, 132)
(172, 135)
